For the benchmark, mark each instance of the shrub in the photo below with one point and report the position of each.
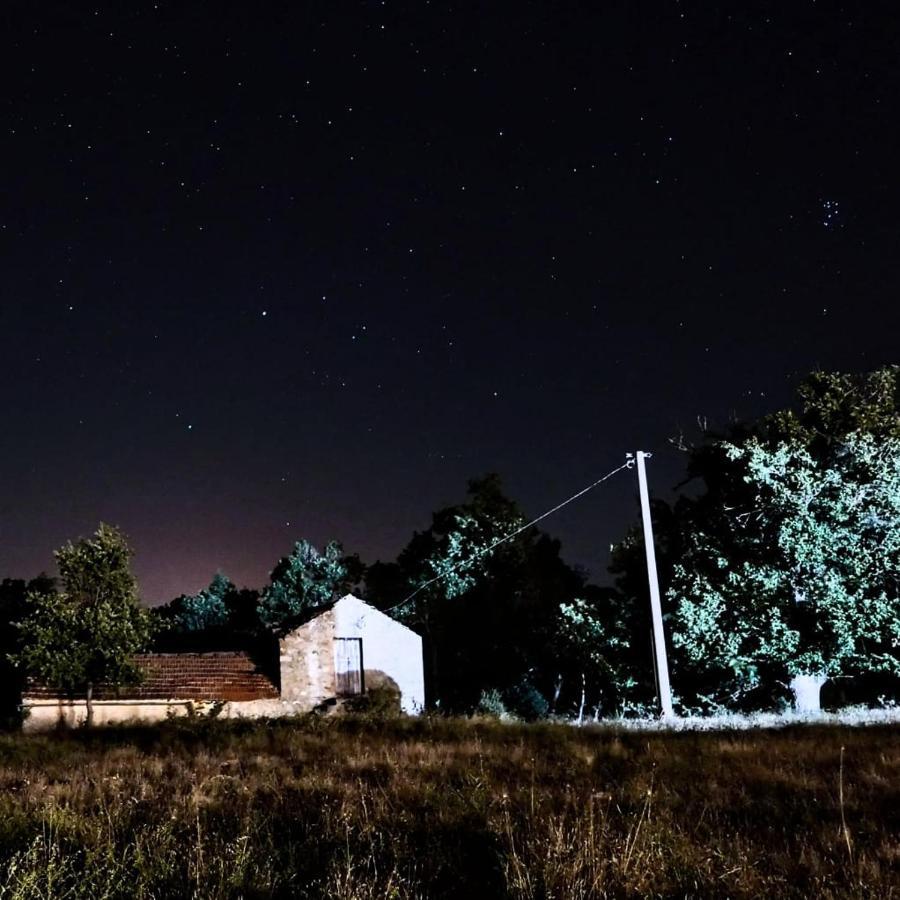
(527, 702)
(381, 702)
(491, 704)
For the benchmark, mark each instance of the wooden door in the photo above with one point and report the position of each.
(348, 668)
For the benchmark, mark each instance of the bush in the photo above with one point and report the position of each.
(381, 702)
(491, 704)
(527, 702)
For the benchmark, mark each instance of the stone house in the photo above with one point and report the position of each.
(350, 648)
(345, 649)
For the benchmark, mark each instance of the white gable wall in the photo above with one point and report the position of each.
(388, 647)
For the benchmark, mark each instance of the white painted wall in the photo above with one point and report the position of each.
(43, 714)
(388, 647)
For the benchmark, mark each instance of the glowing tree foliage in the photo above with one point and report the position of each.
(302, 582)
(594, 639)
(489, 619)
(208, 608)
(455, 553)
(88, 633)
(442, 567)
(460, 556)
(808, 579)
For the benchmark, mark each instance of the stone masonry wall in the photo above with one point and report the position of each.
(307, 662)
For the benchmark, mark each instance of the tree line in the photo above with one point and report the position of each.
(779, 561)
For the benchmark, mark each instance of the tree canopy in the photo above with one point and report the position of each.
(815, 590)
(784, 564)
(207, 608)
(218, 617)
(89, 632)
(490, 619)
(304, 581)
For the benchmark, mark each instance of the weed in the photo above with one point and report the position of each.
(371, 806)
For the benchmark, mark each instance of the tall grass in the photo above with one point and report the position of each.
(355, 808)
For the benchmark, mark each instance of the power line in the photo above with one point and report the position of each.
(626, 465)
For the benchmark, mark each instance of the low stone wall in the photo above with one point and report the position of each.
(45, 715)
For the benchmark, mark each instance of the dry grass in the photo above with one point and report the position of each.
(360, 809)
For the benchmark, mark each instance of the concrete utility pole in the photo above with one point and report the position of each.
(659, 639)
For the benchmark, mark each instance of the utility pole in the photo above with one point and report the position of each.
(659, 639)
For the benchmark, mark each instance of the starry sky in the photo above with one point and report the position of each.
(287, 270)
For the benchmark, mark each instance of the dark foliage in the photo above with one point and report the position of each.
(13, 592)
(499, 632)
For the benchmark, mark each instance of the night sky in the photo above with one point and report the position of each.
(286, 270)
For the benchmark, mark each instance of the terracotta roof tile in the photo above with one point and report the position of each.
(184, 676)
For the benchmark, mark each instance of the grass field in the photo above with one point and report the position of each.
(448, 808)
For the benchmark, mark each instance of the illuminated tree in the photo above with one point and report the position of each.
(592, 646)
(716, 527)
(208, 608)
(89, 632)
(489, 620)
(807, 580)
(302, 582)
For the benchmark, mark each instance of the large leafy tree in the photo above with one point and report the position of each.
(87, 633)
(208, 608)
(593, 649)
(815, 592)
(218, 617)
(724, 531)
(488, 614)
(305, 581)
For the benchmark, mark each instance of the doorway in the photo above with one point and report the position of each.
(348, 667)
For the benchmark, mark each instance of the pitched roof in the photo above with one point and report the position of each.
(183, 676)
(348, 600)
